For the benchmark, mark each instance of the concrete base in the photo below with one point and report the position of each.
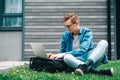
(6, 66)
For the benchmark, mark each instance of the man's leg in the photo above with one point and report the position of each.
(99, 51)
(96, 55)
(71, 61)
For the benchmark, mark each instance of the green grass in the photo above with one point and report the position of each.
(24, 73)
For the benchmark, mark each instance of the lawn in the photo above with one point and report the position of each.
(24, 73)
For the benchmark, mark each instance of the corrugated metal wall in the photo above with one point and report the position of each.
(43, 21)
(113, 52)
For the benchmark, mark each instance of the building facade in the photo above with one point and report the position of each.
(39, 21)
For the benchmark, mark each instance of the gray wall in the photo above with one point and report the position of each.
(10, 46)
(43, 21)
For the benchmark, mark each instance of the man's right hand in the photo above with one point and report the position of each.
(55, 56)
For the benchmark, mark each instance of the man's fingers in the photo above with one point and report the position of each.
(49, 55)
(56, 58)
(52, 57)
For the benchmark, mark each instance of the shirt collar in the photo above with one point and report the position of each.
(78, 33)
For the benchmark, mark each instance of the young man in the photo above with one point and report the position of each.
(77, 48)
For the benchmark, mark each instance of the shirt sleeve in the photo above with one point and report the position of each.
(84, 45)
(63, 45)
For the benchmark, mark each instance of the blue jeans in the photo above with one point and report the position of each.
(96, 55)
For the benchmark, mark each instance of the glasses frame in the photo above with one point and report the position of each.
(68, 26)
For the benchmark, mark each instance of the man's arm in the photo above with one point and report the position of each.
(63, 43)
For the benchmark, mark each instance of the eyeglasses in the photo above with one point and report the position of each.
(68, 26)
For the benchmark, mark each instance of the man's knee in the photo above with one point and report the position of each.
(104, 43)
(67, 57)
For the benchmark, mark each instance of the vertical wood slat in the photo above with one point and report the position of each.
(43, 21)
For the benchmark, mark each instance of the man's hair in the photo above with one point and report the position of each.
(72, 16)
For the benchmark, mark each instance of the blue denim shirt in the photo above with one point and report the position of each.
(86, 43)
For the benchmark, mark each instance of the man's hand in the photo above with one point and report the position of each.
(55, 56)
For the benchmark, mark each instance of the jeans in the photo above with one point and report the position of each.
(96, 55)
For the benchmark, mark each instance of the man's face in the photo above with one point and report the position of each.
(70, 26)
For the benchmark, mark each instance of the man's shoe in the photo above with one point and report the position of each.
(79, 72)
(108, 72)
(82, 69)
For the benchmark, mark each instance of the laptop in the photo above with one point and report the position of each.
(39, 50)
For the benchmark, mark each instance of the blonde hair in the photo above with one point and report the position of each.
(72, 16)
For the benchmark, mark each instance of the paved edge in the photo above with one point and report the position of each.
(6, 66)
